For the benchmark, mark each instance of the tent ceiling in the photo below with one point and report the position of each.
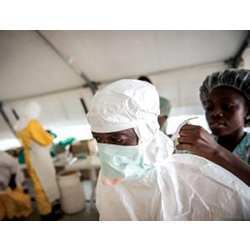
(28, 66)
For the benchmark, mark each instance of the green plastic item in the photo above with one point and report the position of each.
(61, 145)
(21, 159)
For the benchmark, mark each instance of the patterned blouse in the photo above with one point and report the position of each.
(243, 149)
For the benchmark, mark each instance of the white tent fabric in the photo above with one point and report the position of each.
(176, 61)
(29, 66)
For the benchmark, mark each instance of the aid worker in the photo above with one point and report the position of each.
(140, 178)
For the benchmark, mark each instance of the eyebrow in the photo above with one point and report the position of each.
(121, 135)
(225, 99)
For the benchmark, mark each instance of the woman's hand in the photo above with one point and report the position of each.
(198, 141)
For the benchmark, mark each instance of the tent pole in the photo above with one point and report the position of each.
(68, 61)
(84, 105)
(235, 61)
(15, 114)
(5, 117)
(112, 80)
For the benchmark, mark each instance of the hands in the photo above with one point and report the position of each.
(198, 141)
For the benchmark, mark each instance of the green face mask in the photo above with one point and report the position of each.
(124, 162)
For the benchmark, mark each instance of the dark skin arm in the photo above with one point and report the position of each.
(198, 141)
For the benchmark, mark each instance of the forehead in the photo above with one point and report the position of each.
(222, 93)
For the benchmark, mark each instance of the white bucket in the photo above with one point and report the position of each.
(72, 195)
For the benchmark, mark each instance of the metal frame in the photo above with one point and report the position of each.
(67, 60)
(235, 61)
(6, 119)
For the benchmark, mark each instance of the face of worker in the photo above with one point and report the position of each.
(126, 137)
(162, 119)
(226, 110)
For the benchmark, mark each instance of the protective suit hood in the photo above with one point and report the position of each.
(128, 104)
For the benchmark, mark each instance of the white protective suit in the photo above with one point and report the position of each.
(178, 187)
(38, 153)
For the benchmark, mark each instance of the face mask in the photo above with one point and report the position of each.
(125, 162)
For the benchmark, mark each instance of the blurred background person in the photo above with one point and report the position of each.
(36, 143)
(14, 202)
(165, 108)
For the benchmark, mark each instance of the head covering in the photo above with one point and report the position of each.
(233, 78)
(237, 79)
(134, 104)
(126, 104)
(165, 106)
(32, 110)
